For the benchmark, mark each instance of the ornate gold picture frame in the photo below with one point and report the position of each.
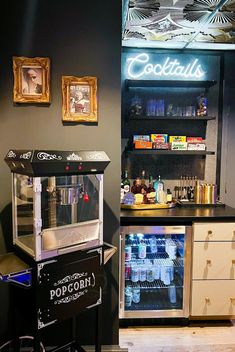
(79, 95)
(31, 80)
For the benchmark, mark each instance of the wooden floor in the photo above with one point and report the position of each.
(198, 337)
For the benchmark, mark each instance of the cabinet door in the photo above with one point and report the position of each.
(219, 231)
(213, 260)
(213, 298)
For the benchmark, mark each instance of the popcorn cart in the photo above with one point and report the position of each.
(57, 202)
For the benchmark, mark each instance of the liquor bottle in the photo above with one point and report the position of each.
(159, 187)
(151, 193)
(136, 188)
(143, 187)
(168, 196)
(126, 183)
(122, 192)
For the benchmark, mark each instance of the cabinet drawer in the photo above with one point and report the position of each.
(213, 260)
(213, 298)
(219, 231)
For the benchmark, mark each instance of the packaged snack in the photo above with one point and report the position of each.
(177, 139)
(194, 139)
(141, 137)
(159, 138)
(160, 145)
(179, 146)
(196, 146)
(142, 145)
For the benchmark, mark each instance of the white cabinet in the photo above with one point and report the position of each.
(213, 270)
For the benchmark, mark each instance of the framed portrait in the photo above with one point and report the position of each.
(31, 80)
(79, 95)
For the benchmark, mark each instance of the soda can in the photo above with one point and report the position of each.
(136, 295)
(128, 271)
(172, 294)
(128, 253)
(128, 297)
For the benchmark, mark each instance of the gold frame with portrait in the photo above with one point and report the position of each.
(73, 111)
(33, 91)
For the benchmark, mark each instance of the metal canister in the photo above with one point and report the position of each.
(197, 193)
(207, 194)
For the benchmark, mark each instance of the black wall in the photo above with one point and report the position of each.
(82, 38)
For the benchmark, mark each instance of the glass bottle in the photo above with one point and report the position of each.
(159, 187)
(122, 192)
(168, 196)
(151, 193)
(136, 188)
(126, 183)
(143, 187)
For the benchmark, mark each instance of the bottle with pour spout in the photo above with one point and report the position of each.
(159, 188)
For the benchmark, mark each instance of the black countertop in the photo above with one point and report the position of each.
(179, 215)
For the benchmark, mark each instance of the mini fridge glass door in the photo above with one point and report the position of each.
(155, 271)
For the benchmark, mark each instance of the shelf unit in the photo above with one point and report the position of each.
(169, 152)
(171, 118)
(133, 83)
(170, 164)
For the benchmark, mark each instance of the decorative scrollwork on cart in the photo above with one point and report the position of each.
(47, 156)
(69, 278)
(68, 299)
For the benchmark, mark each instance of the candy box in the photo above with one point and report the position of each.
(177, 139)
(142, 145)
(194, 139)
(179, 146)
(159, 138)
(160, 145)
(196, 146)
(141, 137)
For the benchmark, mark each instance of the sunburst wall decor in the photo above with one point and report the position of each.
(179, 23)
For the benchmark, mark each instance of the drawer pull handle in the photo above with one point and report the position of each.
(207, 299)
(232, 299)
(210, 233)
(208, 262)
(233, 261)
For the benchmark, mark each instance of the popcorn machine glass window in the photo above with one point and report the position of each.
(59, 212)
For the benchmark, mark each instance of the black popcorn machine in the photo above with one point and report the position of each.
(57, 202)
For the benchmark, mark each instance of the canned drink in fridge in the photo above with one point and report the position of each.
(136, 294)
(128, 271)
(142, 250)
(153, 244)
(172, 294)
(134, 273)
(150, 273)
(128, 253)
(142, 273)
(128, 296)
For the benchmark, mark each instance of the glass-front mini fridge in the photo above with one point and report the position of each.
(155, 271)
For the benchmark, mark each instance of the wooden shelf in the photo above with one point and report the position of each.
(169, 152)
(134, 83)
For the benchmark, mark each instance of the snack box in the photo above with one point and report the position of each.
(141, 137)
(194, 139)
(177, 139)
(160, 145)
(196, 146)
(142, 145)
(159, 138)
(179, 145)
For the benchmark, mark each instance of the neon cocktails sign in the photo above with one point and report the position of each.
(140, 66)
